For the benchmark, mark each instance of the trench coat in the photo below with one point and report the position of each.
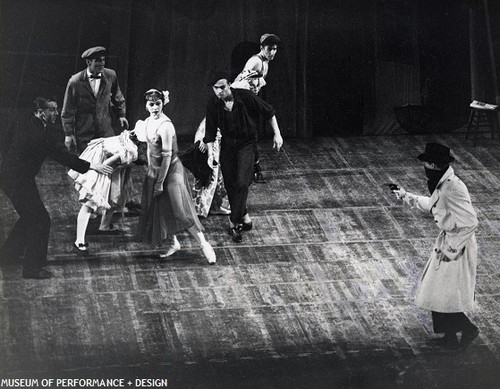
(88, 116)
(449, 286)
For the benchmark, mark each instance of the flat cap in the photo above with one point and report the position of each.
(270, 39)
(218, 75)
(94, 52)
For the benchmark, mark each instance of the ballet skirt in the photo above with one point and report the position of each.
(99, 191)
(172, 211)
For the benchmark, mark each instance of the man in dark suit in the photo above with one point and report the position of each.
(33, 140)
(90, 96)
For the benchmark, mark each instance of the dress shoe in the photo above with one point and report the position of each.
(468, 337)
(81, 248)
(258, 177)
(131, 212)
(448, 341)
(132, 209)
(235, 232)
(246, 226)
(174, 247)
(219, 211)
(38, 274)
(208, 252)
(132, 205)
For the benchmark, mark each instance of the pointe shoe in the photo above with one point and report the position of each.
(174, 247)
(209, 253)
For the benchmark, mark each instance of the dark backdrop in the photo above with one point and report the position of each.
(342, 68)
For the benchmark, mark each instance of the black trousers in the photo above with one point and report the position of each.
(451, 322)
(30, 234)
(236, 162)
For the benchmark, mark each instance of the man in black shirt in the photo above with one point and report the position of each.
(236, 112)
(34, 139)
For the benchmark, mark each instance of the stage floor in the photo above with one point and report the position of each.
(319, 294)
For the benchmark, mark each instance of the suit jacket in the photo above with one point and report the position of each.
(32, 142)
(87, 116)
(449, 286)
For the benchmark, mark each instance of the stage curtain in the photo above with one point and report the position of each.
(175, 44)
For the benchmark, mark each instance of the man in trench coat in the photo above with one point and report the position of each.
(449, 279)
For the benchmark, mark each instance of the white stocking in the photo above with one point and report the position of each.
(82, 222)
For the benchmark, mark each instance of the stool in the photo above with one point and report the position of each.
(482, 117)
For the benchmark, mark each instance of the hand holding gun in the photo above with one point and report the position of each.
(400, 192)
(392, 186)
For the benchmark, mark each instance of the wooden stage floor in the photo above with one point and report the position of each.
(319, 295)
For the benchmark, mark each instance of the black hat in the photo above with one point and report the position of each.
(218, 75)
(436, 153)
(269, 39)
(94, 52)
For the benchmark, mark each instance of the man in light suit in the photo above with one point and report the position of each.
(448, 283)
(90, 96)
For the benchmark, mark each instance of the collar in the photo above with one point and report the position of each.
(435, 195)
(236, 98)
(447, 174)
(39, 121)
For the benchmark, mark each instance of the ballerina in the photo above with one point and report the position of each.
(167, 204)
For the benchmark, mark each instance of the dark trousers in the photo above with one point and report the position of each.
(451, 323)
(30, 235)
(236, 162)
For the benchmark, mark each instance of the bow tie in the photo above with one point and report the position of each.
(93, 76)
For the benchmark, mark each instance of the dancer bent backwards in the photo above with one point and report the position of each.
(167, 204)
(100, 192)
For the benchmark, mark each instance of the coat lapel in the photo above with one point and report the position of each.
(435, 195)
(102, 85)
(86, 84)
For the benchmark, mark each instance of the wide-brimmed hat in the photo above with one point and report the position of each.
(436, 153)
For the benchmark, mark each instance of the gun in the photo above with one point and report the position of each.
(392, 186)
